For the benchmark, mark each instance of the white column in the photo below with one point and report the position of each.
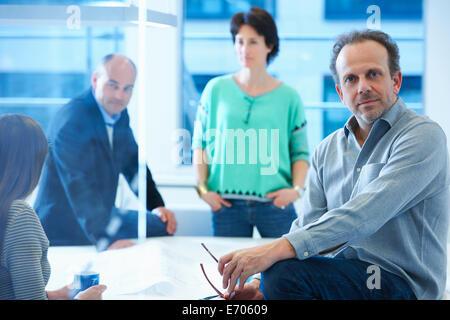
(437, 63)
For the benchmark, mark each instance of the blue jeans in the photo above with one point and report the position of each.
(238, 221)
(326, 278)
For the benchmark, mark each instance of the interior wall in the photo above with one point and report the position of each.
(437, 63)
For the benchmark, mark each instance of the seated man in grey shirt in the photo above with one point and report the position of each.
(374, 219)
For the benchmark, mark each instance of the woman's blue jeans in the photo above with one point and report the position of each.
(324, 278)
(239, 220)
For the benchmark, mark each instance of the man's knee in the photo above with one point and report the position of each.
(275, 281)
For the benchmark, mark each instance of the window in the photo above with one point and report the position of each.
(223, 9)
(306, 39)
(65, 2)
(38, 84)
(356, 9)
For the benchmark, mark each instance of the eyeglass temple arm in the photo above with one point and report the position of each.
(203, 245)
(210, 283)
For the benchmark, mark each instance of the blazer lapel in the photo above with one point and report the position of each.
(99, 133)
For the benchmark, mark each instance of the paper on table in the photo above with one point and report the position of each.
(154, 270)
(161, 268)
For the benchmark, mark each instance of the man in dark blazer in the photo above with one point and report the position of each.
(91, 143)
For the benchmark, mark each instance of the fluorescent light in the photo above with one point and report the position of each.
(89, 15)
(150, 24)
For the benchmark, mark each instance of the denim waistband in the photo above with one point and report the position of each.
(246, 202)
(238, 197)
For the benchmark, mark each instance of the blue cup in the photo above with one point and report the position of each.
(85, 279)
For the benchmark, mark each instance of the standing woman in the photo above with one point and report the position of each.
(250, 146)
(24, 267)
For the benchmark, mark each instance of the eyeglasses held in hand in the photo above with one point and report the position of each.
(204, 273)
(203, 245)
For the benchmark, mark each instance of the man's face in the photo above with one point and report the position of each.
(365, 83)
(113, 84)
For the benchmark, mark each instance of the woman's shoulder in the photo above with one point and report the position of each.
(287, 89)
(216, 87)
(20, 206)
(21, 215)
(23, 228)
(220, 81)
(287, 95)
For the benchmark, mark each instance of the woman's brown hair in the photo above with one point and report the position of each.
(23, 149)
(263, 23)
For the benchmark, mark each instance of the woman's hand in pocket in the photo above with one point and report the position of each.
(283, 197)
(215, 201)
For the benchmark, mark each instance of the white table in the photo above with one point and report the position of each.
(159, 268)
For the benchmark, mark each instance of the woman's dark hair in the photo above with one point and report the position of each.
(23, 148)
(260, 20)
(360, 36)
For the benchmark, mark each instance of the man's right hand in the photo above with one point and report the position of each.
(215, 201)
(241, 264)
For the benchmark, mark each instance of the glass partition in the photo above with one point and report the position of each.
(49, 54)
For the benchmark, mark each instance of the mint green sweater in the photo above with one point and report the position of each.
(251, 142)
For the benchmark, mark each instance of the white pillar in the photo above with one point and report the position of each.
(437, 63)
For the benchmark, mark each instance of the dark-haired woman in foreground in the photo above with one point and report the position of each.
(24, 267)
(250, 146)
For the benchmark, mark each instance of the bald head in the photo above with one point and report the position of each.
(113, 82)
(116, 56)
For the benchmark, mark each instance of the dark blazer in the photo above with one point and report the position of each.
(79, 180)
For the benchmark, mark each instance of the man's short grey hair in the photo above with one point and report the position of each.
(361, 36)
(108, 57)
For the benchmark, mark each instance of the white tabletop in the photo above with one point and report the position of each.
(159, 268)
